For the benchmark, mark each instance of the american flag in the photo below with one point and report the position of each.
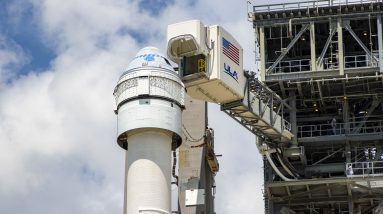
(230, 51)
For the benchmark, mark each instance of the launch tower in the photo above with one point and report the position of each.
(325, 60)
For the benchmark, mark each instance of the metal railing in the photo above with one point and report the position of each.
(329, 63)
(368, 127)
(309, 5)
(261, 112)
(354, 61)
(358, 61)
(271, 99)
(289, 66)
(286, 125)
(364, 169)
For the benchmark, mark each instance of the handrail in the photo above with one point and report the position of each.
(369, 127)
(364, 169)
(309, 5)
(288, 66)
(329, 63)
(261, 111)
(271, 99)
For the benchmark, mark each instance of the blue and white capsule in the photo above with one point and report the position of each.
(149, 76)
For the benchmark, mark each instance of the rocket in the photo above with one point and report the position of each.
(149, 99)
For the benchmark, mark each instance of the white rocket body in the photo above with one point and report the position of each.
(149, 102)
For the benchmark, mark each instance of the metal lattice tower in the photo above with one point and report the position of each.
(324, 58)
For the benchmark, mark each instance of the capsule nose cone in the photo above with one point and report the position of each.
(150, 57)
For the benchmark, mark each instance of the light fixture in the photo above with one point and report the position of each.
(365, 33)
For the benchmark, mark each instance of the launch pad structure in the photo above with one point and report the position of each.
(325, 59)
(316, 109)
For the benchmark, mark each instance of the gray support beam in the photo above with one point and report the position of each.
(340, 47)
(368, 52)
(368, 188)
(327, 44)
(325, 168)
(346, 114)
(293, 117)
(320, 93)
(262, 52)
(350, 205)
(299, 86)
(303, 201)
(281, 85)
(328, 191)
(337, 181)
(287, 49)
(379, 208)
(348, 152)
(313, 47)
(327, 157)
(359, 211)
(374, 104)
(380, 42)
(303, 192)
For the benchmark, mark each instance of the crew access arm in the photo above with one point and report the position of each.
(211, 66)
(210, 63)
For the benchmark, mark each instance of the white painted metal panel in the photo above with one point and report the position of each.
(193, 29)
(148, 167)
(194, 197)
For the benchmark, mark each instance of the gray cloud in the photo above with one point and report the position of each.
(12, 57)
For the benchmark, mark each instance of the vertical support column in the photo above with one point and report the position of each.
(209, 177)
(346, 119)
(293, 117)
(312, 47)
(359, 211)
(350, 205)
(207, 183)
(262, 52)
(340, 46)
(380, 42)
(267, 178)
(348, 152)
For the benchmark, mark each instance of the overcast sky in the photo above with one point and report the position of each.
(59, 63)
